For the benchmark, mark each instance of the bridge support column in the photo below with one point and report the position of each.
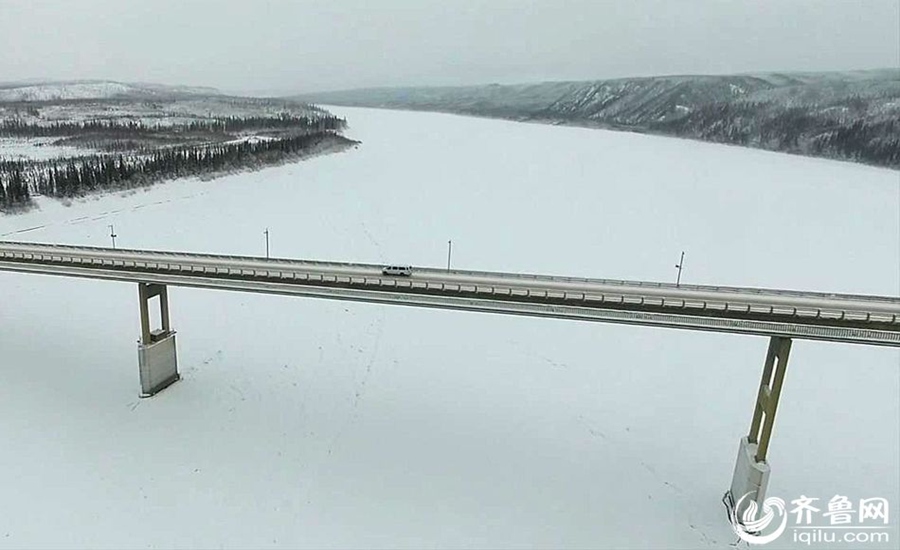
(751, 472)
(156, 348)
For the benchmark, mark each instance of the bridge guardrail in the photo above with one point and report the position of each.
(605, 300)
(476, 273)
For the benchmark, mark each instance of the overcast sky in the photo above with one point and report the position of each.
(280, 46)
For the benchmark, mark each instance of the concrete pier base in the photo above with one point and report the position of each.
(750, 480)
(157, 357)
(158, 363)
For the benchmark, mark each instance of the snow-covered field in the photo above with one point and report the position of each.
(163, 112)
(304, 423)
(42, 148)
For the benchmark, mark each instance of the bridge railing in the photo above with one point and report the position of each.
(294, 263)
(152, 261)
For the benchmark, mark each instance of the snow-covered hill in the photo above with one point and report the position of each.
(55, 91)
(307, 423)
(846, 115)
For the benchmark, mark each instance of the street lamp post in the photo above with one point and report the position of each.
(266, 233)
(449, 251)
(112, 235)
(679, 266)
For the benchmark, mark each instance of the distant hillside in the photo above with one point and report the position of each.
(92, 89)
(849, 115)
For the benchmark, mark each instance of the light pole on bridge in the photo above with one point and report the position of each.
(266, 233)
(112, 235)
(449, 251)
(679, 266)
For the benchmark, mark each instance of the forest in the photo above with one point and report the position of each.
(791, 130)
(126, 152)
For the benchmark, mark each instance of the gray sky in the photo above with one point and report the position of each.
(279, 46)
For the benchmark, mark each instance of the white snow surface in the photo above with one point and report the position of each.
(64, 90)
(41, 148)
(313, 423)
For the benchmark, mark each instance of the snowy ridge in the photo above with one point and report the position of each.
(56, 91)
(845, 115)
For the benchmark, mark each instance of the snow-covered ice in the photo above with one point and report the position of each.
(310, 423)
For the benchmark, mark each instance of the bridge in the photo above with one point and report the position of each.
(780, 315)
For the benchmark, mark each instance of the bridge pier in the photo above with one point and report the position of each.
(751, 471)
(156, 348)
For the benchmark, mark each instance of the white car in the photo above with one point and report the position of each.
(399, 270)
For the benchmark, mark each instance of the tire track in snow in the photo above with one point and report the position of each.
(358, 394)
(677, 493)
(360, 389)
(100, 216)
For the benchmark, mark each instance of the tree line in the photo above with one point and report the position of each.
(14, 192)
(74, 177)
(119, 128)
